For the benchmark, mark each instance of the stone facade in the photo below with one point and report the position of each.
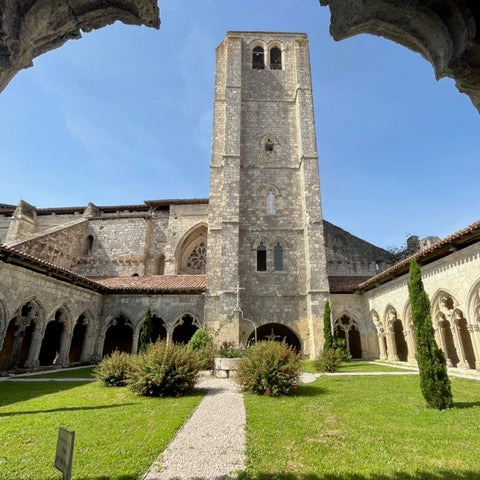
(257, 256)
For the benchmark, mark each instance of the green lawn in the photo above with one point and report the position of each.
(85, 372)
(117, 434)
(359, 428)
(355, 366)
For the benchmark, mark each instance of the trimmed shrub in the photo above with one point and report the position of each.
(146, 333)
(340, 347)
(201, 343)
(115, 369)
(432, 366)
(269, 368)
(328, 340)
(165, 371)
(328, 361)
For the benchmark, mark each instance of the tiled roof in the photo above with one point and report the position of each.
(25, 260)
(345, 284)
(456, 241)
(163, 204)
(155, 284)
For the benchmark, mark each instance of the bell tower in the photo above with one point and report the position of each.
(265, 227)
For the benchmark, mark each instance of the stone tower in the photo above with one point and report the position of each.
(265, 229)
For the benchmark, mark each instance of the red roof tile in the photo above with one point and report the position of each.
(155, 283)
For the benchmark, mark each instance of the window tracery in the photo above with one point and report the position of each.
(197, 259)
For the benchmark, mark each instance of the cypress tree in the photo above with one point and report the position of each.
(434, 381)
(146, 333)
(328, 340)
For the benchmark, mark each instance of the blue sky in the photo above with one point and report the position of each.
(125, 115)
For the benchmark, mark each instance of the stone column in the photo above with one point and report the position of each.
(410, 345)
(135, 343)
(381, 345)
(440, 339)
(65, 343)
(457, 340)
(32, 359)
(475, 336)
(392, 346)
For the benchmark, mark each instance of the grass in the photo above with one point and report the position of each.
(117, 434)
(85, 372)
(355, 366)
(359, 428)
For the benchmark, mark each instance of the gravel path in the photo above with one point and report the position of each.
(211, 444)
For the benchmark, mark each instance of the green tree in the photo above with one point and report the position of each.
(146, 333)
(434, 381)
(328, 340)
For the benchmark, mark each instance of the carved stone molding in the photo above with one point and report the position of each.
(444, 32)
(29, 28)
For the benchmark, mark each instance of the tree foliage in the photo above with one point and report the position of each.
(328, 340)
(434, 381)
(147, 330)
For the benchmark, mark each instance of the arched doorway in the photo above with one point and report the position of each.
(185, 328)
(346, 329)
(400, 342)
(119, 336)
(50, 348)
(277, 332)
(8, 342)
(78, 339)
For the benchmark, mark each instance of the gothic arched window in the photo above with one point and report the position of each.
(275, 59)
(270, 203)
(261, 258)
(278, 257)
(258, 58)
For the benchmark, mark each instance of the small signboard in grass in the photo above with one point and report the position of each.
(64, 452)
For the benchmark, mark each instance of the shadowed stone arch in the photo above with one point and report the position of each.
(55, 335)
(159, 328)
(81, 338)
(382, 341)
(443, 32)
(31, 28)
(184, 327)
(279, 333)
(23, 336)
(118, 335)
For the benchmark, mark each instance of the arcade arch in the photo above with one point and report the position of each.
(279, 333)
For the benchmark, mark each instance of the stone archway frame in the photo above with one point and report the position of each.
(193, 237)
(443, 304)
(445, 34)
(268, 324)
(353, 323)
(32, 28)
(472, 301)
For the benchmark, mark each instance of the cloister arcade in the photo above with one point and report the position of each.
(33, 339)
(457, 335)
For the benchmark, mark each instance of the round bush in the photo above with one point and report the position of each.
(269, 368)
(165, 371)
(201, 342)
(115, 369)
(328, 361)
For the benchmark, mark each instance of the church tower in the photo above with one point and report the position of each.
(266, 257)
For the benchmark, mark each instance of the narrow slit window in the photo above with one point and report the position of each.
(270, 203)
(275, 59)
(278, 257)
(88, 246)
(258, 58)
(261, 258)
